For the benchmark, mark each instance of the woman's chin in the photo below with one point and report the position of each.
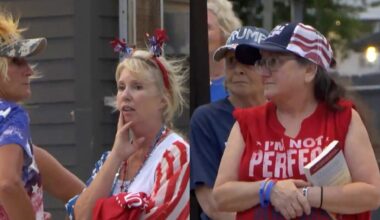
(127, 116)
(268, 95)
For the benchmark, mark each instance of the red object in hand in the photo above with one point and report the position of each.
(123, 206)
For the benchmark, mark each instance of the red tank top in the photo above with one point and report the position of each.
(269, 153)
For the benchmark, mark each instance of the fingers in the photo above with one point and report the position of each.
(125, 127)
(120, 122)
(305, 204)
(285, 214)
(291, 213)
(293, 209)
(288, 200)
(300, 183)
(297, 209)
(139, 141)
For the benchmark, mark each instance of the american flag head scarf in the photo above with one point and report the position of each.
(303, 40)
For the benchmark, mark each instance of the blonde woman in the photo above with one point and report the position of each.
(146, 174)
(21, 163)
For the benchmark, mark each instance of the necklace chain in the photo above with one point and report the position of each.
(125, 186)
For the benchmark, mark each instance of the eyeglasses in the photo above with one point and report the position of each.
(272, 63)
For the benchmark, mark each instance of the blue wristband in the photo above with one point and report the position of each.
(268, 189)
(261, 193)
(263, 185)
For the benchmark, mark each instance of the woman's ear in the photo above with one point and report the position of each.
(163, 103)
(311, 71)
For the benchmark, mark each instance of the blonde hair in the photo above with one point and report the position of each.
(225, 15)
(9, 31)
(3, 68)
(142, 64)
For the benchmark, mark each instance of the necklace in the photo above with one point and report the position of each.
(125, 186)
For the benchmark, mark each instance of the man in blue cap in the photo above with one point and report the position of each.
(211, 124)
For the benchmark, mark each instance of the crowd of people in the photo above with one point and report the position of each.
(274, 108)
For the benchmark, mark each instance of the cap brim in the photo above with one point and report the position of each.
(221, 51)
(272, 47)
(247, 53)
(23, 47)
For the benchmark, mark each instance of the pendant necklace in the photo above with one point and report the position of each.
(124, 186)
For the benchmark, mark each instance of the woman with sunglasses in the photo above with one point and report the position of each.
(26, 171)
(261, 173)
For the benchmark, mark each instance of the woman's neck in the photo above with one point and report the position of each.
(149, 132)
(293, 110)
(298, 106)
(246, 101)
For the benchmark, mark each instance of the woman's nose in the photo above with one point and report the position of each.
(126, 94)
(238, 70)
(28, 70)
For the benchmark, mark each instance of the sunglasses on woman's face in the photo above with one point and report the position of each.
(18, 61)
(272, 63)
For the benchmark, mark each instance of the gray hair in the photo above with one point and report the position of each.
(225, 15)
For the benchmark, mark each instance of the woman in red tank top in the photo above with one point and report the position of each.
(261, 174)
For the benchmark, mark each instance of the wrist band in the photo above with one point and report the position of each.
(261, 193)
(320, 205)
(268, 190)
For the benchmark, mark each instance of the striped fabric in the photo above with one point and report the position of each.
(309, 43)
(167, 196)
(171, 188)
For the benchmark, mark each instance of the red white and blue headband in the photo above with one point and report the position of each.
(155, 44)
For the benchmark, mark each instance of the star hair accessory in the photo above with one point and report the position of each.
(156, 43)
(121, 47)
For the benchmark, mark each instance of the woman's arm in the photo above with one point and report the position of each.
(230, 194)
(207, 202)
(56, 179)
(101, 185)
(233, 195)
(169, 198)
(13, 196)
(363, 194)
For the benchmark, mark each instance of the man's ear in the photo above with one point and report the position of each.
(311, 72)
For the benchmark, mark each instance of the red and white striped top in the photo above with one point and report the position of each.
(160, 191)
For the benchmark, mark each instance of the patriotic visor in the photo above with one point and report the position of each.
(22, 47)
(298, 38)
